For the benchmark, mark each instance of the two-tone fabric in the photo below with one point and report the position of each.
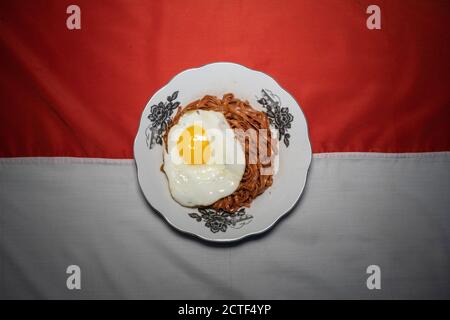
(377, 106)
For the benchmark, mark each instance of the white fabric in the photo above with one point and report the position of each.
(356, 211)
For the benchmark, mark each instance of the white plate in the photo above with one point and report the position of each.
(294, 150)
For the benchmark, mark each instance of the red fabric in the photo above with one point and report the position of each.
(80, 93)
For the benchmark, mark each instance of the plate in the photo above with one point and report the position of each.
(287, 122)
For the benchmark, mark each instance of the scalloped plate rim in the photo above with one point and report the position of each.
(248, 234)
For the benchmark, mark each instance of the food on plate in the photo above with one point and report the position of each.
(210, 160)
(193, 161)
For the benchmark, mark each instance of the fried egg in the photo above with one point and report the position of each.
(204, 160)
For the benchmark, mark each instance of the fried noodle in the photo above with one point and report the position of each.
(239, 115)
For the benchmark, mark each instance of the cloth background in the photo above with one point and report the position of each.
(81, 93)
(70, 102)
(355, 212)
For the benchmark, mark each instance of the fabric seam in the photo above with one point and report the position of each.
(331, 155)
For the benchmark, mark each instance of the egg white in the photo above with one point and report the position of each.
(194, 185)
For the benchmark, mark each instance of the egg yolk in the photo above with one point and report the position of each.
(193, 145)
